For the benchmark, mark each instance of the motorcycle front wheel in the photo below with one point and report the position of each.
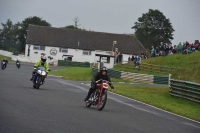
(102, 101)
(38, 82)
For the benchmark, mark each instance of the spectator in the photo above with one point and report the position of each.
(157, 52)
(120, 57)
(192, 47)
(142, 55)
(174, 50)
(180, 46)
(167, 49)
(152, 52)
(137, 62)
(130, 57)
(197, 45)
(170, 49)
(146, 55)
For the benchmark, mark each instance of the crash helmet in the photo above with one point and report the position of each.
(103, 68)
(43, 59)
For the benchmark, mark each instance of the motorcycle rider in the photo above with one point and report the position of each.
(40, 63)
(100, 75)
(6, 62)
(17, 61)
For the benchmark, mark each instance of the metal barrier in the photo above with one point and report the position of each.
(72, 63)
(185, 89)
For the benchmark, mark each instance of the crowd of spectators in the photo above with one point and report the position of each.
(164, 50)
(168, 49)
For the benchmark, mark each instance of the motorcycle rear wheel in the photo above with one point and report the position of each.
(88, 104)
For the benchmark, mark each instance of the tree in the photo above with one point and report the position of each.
(153, 28)
(75, 26)
(24, 27)
(76, 19)
(9, 35)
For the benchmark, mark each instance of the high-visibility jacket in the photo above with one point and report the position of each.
(39, 64)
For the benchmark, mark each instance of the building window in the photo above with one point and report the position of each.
(37, 47)
(63, 50)
(87, 52)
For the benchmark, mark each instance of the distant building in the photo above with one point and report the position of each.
(78, 45)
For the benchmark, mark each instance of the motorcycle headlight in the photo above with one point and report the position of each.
(105, 85)
(43, 73)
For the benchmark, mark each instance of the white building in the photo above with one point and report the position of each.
(79, 45)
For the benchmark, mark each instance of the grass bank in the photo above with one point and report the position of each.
(3, 57)
(79, 74)
(188, 66)
(159, 97)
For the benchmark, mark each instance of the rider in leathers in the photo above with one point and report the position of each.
(40, 63)
(100, 75)
(17, 62)
(6, 62)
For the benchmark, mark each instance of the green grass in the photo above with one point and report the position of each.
(177, 60)
(3, 57)
(188, 64)
(74, 73)
(129, 67)
(79, 74)
(159, 97)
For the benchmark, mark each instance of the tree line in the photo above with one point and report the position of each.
(151, 29)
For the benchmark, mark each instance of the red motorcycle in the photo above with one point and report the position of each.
(99, 97)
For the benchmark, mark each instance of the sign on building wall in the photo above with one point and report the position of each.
(53, 52)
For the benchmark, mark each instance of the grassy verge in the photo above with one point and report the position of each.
(129, 67)
(188, 64)
(3, 57)
(159, 97)
(74, 73)
(79, 74)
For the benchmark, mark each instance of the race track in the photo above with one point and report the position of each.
(58, 107)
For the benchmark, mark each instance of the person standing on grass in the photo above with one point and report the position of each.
(152, 51)
(180, 46)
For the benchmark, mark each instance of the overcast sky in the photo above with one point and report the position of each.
(113, 16)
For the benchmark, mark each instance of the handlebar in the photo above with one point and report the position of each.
(102, 80)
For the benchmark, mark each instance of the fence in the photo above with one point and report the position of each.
(185, 89)
(151, 68)
(72, 63)
(135, 77)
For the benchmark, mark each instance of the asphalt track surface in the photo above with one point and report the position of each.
(58, 107)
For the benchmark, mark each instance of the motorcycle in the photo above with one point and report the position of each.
(3, 65)
(39, 77)
(99, 97)
(18, 65)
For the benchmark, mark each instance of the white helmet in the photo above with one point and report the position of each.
(43, 59)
